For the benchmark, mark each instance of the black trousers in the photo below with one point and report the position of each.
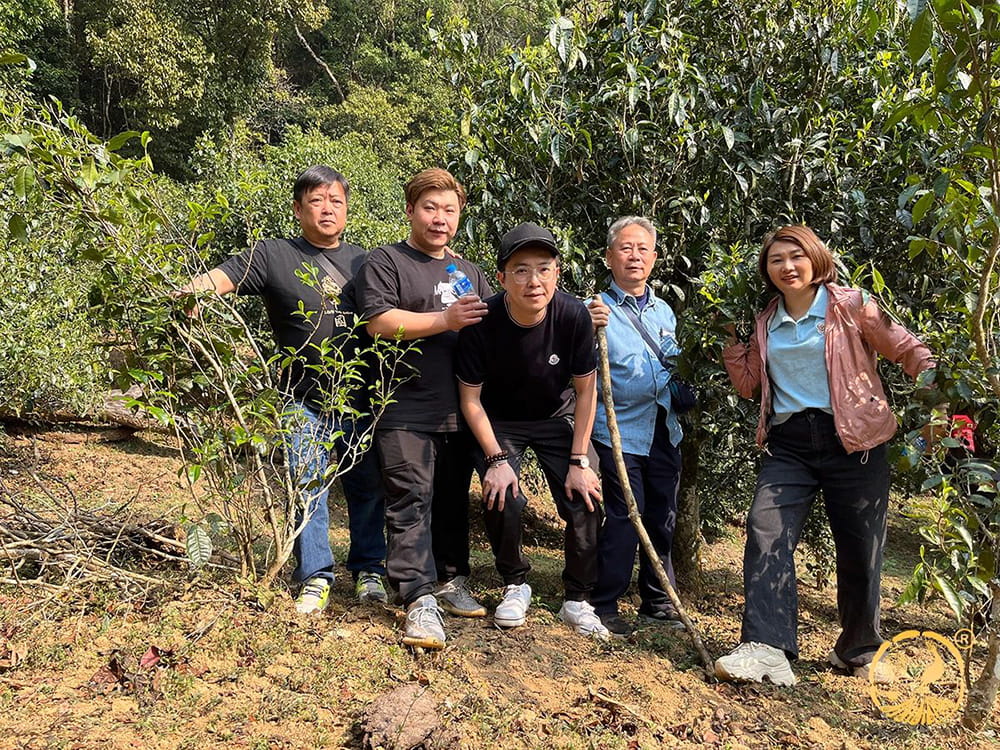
(551, 440)
(655, 480)
(426, 477)
(805, 456)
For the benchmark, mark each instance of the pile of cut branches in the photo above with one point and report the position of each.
(50, 544)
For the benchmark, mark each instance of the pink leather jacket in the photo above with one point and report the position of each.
(856, 332)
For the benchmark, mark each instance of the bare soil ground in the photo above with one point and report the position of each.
(199, 667)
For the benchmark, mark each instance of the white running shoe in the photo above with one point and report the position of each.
(581, 617)
(755, 662)
(424, 626)
(513, 610)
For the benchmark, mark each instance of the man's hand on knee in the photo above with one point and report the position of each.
(498, 479)
(584, 482)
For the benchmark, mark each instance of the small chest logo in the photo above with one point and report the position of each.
(445, 293)
(554, 359)
(330, 288)
(821, 328)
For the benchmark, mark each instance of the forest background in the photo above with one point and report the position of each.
(145, 140)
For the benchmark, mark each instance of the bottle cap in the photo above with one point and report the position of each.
(450, 268)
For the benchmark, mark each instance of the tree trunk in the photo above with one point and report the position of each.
(983, 693)
(687, 534)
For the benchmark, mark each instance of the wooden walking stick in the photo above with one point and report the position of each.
(633, 509)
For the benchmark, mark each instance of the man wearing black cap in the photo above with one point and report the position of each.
(527, 379)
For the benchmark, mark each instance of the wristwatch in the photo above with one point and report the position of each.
(582, 461)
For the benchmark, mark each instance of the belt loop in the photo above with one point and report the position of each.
(864, 458)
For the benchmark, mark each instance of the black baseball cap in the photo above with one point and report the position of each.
(525, 235)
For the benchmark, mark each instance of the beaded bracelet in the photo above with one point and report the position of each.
(496, 458)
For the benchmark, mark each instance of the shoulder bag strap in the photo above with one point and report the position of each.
(325, 264)
(637, 324)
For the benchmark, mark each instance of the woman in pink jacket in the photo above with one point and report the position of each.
(824, 423)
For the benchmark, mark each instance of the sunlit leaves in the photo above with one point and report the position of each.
(921, 34)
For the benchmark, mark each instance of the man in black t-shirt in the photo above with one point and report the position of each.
(404, 291)
(269, 270)
(527, 379)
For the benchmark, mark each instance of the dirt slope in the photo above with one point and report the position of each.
(227, 674)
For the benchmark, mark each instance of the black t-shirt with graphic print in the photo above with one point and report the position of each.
(268, 270)
(401, 277)
(525, 371)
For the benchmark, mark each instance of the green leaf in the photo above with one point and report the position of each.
(199, 546)
(13, 58)
(923, 203)
(24, 182)
(907, 195)
(730, 137)
(88, 173)
(878, 282)
(977, 15)
(18, 227)
(121, 139)
(941, 184)
(920, 36)
(949, 593)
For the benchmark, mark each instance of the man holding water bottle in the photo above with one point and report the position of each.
(527, 379)
(407, 291)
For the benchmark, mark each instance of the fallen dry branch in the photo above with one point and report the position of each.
(51, 545)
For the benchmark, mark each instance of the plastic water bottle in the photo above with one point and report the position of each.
(460, 283)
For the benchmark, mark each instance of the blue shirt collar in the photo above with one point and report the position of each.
(619, 295)
(816, 310)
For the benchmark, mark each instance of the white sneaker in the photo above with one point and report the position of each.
(580, 616)
(883, 674)
(513, 610)
(755, 662)
(424, 626)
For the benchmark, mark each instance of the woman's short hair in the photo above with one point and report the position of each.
(823, 267)
(433, 179)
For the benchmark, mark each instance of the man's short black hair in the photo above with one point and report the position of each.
(316, 176)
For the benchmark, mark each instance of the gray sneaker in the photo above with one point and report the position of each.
(424, 626)
(455, 599)
(369, 588)
(513, 610)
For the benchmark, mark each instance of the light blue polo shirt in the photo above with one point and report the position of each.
(796, 360)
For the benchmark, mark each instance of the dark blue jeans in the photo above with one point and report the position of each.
(805, 456)
(312, 435)
(655, 480)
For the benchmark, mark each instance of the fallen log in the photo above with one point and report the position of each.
(112, 420)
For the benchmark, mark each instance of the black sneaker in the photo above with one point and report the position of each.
(618, 626)
(665, 616)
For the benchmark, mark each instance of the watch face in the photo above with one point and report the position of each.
(583, 462)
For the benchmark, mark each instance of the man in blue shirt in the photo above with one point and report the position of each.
(649, 428)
